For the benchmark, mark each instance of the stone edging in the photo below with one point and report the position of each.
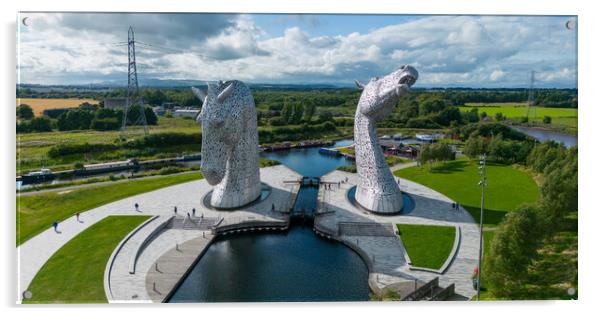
(144, 243)
(109, 266)
(447, 262)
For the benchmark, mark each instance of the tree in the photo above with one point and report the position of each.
(449, 114)
(309, 111)
(475, 145)
(547, 120)
(297, 114)
(432, 105)
(472, 116)
(24, 112)
(430, 153)
(75, 120)
(513, 248)
(324, 116)
(499, 116)
(287, 111)
(40, 124)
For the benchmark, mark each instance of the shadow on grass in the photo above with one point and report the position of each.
(490, 217)
(450, 167)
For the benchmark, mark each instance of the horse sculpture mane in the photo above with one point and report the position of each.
(230, 147)
(377, 190)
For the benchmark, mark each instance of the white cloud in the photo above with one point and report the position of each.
(447, 50)
(496, 75)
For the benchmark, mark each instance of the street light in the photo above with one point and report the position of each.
(482, 183)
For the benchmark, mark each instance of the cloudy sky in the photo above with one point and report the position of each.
(461, 51)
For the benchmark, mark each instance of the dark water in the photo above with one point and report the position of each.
(294, 265)
(308, 162)
(543, 135)
(291, 266)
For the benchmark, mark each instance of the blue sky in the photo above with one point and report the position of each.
(448, 51)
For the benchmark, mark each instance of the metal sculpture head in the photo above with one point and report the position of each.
(378, 190)
(229, 153)
(382, 93)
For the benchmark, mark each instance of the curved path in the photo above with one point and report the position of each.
(32, 254)
(388, 257)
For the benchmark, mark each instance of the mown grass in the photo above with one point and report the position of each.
(35, 213)
(75, 273)
(428, 246)
(560, 116)
(507, 187)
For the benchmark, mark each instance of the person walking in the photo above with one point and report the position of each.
(453, 205)
(175, 210)
(55, 225)
(136, 206)
(77, 216)
(193, 211)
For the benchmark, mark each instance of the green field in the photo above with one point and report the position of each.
(427, 246)
(75, 273)
(507, 187)
(32, 148)
(560, 116)
(35, 213)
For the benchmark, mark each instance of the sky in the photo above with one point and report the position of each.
(447, 51)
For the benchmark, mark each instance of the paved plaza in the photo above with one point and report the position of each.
(35, 252)
(388, 259)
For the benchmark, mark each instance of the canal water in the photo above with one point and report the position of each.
(543, 135)
(295, 265)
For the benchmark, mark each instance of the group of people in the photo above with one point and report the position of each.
(455, 206)
(175, 212)
(55, 224)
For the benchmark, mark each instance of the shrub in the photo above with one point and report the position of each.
(24, 112)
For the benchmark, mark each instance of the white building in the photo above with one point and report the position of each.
(185, 113)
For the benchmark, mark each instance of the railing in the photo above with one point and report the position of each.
(444, 294)
(427, 289)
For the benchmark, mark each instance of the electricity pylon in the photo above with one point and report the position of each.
(133, 101)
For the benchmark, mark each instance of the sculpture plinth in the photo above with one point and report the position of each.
(377, 191)
(230, 146)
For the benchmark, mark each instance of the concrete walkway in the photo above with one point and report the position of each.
(387, 255)
(32, 254)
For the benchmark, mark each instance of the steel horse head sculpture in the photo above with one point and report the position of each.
(230, 147)
(378, 190)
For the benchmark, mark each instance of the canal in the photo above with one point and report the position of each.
(295, 265)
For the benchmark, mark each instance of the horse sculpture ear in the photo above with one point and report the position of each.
(199, 93)
(225, 93)
(360, 85)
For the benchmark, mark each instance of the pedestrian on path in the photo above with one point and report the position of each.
(453, 205)
(457, 206)
(175, 210)
(136, 206)
(193, 211)
(188, 214)
(55, 225)
(77, 216)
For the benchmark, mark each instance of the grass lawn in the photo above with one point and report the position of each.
(560, 116)
(507, 187)
(35, 213)
(75, 273)
(428, 246)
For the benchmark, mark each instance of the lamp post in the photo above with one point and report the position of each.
(482, 183)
